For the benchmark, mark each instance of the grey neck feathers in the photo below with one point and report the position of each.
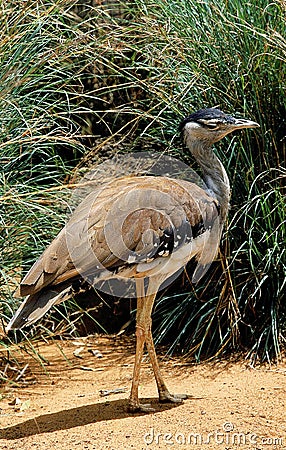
(214, 173)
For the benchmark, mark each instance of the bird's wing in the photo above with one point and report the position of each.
(131, 231)
(123, 226)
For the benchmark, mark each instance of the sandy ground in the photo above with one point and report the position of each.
(232, 407)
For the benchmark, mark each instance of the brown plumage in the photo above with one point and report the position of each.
(139, 230)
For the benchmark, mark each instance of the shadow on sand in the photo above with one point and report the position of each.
(75, 417)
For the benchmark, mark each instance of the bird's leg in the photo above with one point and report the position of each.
(164, 394)
(143, 311)
(144, 335)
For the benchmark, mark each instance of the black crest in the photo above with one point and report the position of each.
(207, 114)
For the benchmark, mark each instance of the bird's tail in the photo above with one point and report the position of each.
(36, 305)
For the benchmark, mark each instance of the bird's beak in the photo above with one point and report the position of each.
(244, 123)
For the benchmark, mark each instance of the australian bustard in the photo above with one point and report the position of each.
(166, 222)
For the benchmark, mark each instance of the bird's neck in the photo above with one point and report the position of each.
(214, 174)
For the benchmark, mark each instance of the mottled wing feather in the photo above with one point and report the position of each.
(53, 263)
(132, 214)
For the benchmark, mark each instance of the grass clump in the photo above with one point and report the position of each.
(190, 55)
(129, 73)
(39, 142)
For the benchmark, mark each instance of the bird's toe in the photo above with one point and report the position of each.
(166, 397)
(140, 407)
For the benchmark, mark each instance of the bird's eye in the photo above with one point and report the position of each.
(211, 124)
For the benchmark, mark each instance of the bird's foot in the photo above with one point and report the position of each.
(166, 397)
(140, 407)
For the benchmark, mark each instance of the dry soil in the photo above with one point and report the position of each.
(59, 405)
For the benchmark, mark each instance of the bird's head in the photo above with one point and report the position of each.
(211, 125)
